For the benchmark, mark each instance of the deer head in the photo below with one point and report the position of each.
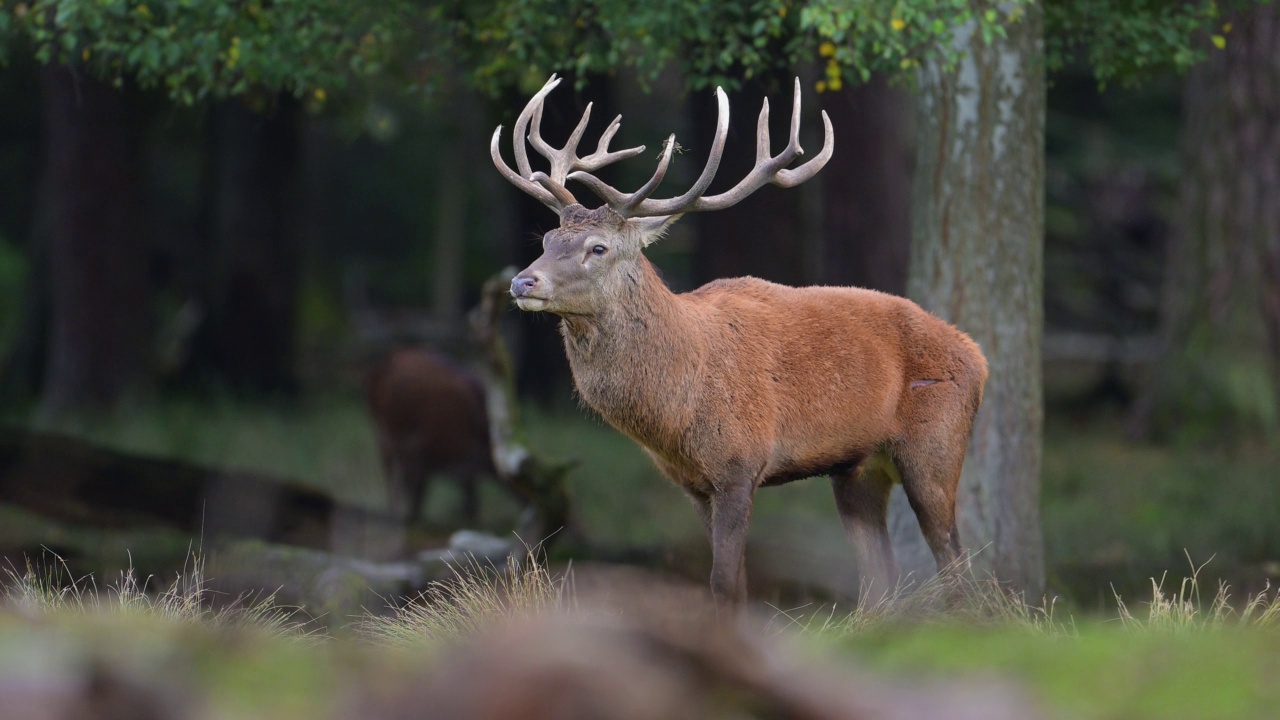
(596, 252)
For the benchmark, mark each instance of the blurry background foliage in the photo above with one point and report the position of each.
(392, 87)
(197, 50)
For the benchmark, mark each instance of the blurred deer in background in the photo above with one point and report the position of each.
(744, 383)
(430, 419)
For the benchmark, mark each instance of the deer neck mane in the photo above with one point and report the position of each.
(631, 361)
(643, 311)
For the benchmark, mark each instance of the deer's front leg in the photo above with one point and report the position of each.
(730, 517)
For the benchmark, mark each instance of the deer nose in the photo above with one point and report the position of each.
(523, 285)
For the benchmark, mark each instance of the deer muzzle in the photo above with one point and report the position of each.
(525, 289)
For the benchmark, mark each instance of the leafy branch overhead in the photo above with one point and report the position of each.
(1119, 39)
(198, 49)
(518, 42)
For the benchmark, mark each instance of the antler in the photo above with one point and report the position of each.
(550, 189)
(565, 165)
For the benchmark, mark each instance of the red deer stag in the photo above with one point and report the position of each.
(430, 417)
(744, 383)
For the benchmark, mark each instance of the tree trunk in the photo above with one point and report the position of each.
(248, 343)
(447, 269)
(866, 211)
(1220, 315)
(99, 311)
(22, 375)
(976, 260)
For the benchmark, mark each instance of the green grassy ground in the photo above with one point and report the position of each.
(1106, 671)
(1178, 658)
(1114, 513)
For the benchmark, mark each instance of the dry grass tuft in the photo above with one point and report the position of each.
(1184, 610)
(955, 595)
(48, 587)
(478, 597)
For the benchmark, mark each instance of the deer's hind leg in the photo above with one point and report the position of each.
(862, 497)
(930, 459)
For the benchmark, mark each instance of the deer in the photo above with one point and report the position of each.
(429, 417)
(743, 383)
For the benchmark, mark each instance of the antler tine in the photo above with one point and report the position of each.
(566, 165)
(795, 176)
(763, 151)
(550, 187)
(564, 159)
(637, 204)
(772, 169)
(624, 203)
(794, 142)
(523, 179)
(514, 178)
(672, 206)
(637, 197)
(602, 156)
(531, 110)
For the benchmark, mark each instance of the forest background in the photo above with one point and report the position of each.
(215, 216)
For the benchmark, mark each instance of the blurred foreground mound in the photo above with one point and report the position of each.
(640, 669)
(627, 661)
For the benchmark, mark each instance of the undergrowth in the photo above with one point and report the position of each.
(1186, 610)
(477, 597)
(47, 586)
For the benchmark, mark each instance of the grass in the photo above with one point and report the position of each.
(1182, 654)
(1183, 610)
(46, 587)
(326, 441)
(958, 596)
(1115, 512)
(1102, 671)
(478, 597)
(1210, 499)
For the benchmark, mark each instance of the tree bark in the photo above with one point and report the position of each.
(248, 342)
(447, 271)
(867, 192)
(976, 260)
(100, 305)
(22, 375)
(1220, 313)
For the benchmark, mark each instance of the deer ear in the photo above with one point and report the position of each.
(653, 228)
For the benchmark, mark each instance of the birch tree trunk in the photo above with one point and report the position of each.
(976, 260)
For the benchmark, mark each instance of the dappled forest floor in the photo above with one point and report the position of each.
(1115, 513)
(1161, 560)
(528, 640)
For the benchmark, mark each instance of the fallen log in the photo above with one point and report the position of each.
(74, 482)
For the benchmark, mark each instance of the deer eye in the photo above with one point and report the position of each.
(599, 250)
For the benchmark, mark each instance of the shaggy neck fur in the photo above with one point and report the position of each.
(637, 360)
